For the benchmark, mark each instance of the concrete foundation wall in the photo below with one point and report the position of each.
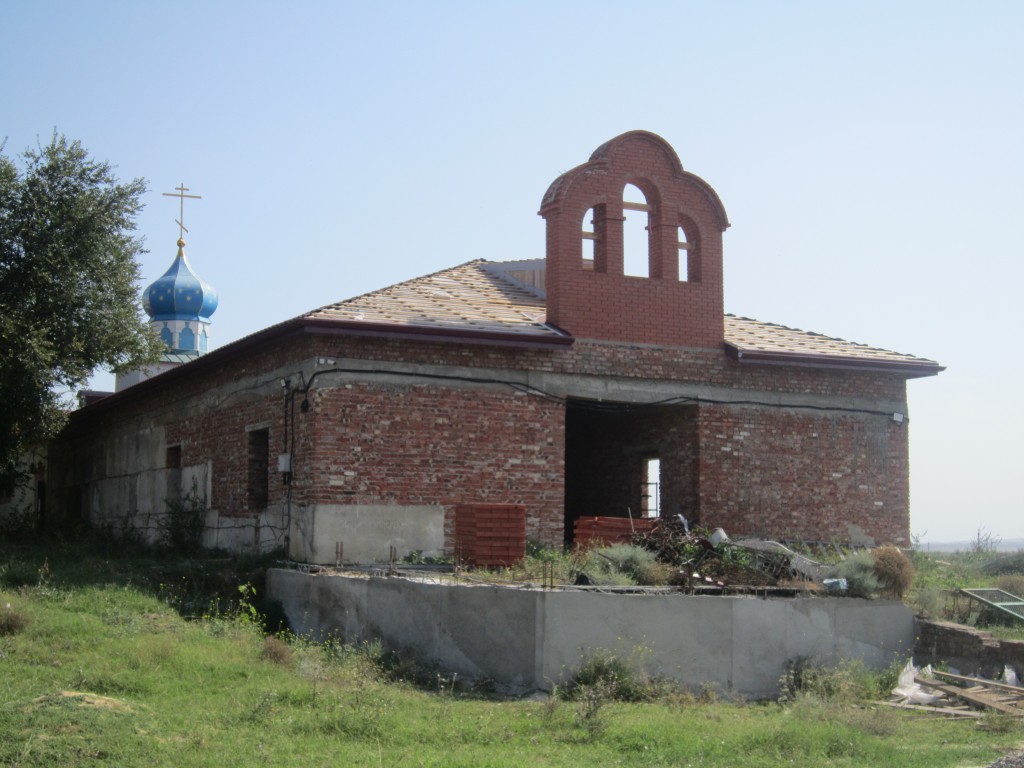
(531, 639)
(366, 532)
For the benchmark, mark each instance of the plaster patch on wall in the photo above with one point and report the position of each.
(366, 532)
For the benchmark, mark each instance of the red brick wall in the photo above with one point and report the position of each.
(792, 474)
(602, 302)
(434, 444)
(427, 442)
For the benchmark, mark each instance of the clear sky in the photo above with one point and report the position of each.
(870, 156)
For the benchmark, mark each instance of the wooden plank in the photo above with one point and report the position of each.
(975, 681)
(942, 711)
(980, 699)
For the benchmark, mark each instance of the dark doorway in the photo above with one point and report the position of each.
(623, 459)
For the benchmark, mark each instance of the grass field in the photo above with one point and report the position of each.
(106, 659)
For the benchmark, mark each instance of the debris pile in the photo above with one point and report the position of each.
(952, 695)
(716, 560)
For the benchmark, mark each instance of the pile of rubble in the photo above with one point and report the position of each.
(717, 560)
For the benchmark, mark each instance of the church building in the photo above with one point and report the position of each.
(506, 401)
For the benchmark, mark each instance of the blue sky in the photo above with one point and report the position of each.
(869, 155)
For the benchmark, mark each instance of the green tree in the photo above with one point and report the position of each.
(68, 294)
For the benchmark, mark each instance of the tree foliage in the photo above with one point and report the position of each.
(68, 293)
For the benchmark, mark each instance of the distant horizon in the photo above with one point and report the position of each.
(1000, 545)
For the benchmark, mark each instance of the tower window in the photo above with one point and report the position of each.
(589, 237)
(636, 260)
(186, 339)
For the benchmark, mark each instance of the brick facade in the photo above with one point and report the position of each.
(600, 301)
(377, 417)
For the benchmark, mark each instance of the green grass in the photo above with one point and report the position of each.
(101, 669)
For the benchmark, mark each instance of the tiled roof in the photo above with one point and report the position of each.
(469, 297)
(486, 297)
(749, 335)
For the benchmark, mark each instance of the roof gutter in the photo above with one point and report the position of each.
(912, 369)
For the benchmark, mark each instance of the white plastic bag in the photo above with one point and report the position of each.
(908, 690)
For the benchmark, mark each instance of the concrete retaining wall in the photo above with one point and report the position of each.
(526, 639)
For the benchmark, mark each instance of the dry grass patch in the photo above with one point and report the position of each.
(277, 651)
(83, 699)
(12, 620)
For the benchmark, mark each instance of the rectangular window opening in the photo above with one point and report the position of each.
(173, 457)
(259, 468)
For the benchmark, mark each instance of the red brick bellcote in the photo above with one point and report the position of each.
(594, 298)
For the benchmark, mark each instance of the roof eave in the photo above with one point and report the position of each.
(912, 369)
(326, 326)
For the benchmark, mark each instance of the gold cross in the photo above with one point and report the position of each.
(180, 194)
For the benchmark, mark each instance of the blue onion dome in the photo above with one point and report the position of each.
(180, 294)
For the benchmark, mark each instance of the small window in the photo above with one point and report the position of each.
(650, 487)
(259, 468)
(173, 457)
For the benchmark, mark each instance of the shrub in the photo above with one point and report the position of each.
(182, 526)
(859, 572)
(894, 571)
(1013, 563)
(609, 676)
(846, 683)
(928, 602)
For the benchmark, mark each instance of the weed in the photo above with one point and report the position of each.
(998, 722)
(928, 602)
(624, 564)
(181, 527)
(418, 558)
(845, 683)
(708, 693)
(615, 678)
(264, 708)
(12, 621)
(591, 714)
(1012, 583)
(859, 572)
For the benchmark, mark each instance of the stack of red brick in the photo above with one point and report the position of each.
(609, 530)
(490, 534)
